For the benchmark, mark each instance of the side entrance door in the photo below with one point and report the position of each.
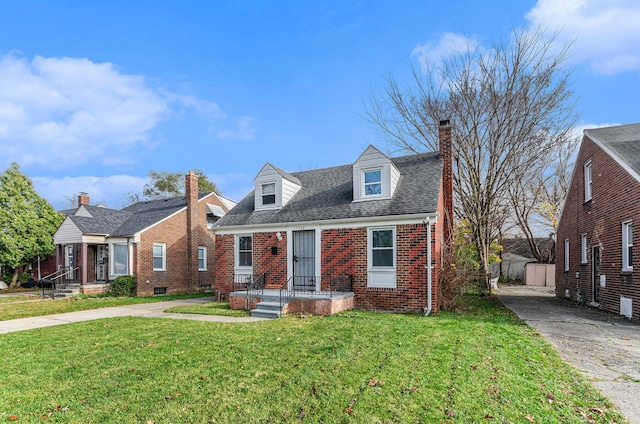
(595, 280)
(304, 260)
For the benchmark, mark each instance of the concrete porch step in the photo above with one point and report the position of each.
(269, 310)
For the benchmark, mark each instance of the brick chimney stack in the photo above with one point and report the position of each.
(444, 134)
(83, 199)
(193, 236)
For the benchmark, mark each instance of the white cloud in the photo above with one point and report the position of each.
(243, 130)
(109, 191)
(606, 33)
(436, 52)
(57, 113)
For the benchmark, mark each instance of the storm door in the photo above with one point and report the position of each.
(101, 262)
(595, 280)
(304, 260)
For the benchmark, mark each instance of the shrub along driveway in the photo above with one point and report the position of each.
(604, 347)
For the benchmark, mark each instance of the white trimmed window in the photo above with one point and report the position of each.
(588, 181)
(583, 249)
(159, 257)
(202, 258)
(372, 182)
(120, 262)
(244, 252)
(268, 194)
(566, 254)
(627, 246)
(381, 259)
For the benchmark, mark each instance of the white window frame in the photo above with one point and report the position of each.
(583, 249)
(236, 250)
(202, 249)
(566, 254)
(627, 244)
(274, 194)
(380, 183)
(381, 276)
(588, 180)
(162, 246)
(112, 260)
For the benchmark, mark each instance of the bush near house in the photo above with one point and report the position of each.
(124, 286)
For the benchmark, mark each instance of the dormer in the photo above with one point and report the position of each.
(274, 188)
(375, 177)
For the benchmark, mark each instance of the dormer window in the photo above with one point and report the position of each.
(269, 194)
(373, 182)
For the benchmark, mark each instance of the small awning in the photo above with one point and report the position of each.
(215, 210)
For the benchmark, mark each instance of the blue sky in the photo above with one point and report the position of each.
(94, 94)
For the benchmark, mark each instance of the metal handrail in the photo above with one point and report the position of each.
(55, 281)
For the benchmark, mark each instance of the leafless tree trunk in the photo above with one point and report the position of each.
(511, 109)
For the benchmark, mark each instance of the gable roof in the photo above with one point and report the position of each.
(621, 142)
(128, 221)
(282, 173)
(327, 194)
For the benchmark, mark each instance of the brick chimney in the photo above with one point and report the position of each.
(444, 134)
(83, 199)
(193, 236)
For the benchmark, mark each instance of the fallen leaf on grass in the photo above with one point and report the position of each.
(530, 418)
(598, 411)
(302, 414)
(625, 338)
(550, 398)
(12, 418)
(349, 409)
(451, 413)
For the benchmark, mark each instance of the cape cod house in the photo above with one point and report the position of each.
(365, 235)
(595, 262)
(166, 244)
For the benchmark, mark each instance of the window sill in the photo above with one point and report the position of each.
(626, 272)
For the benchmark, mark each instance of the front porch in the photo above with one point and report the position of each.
(295, 301)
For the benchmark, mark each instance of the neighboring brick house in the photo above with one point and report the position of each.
(166, 244)
(380, 222)
(595, 260)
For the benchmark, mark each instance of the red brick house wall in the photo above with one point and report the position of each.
(268, 261)
(178, 276)
(615, 198)
(224, 257)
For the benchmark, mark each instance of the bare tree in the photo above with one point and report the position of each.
(510, 108)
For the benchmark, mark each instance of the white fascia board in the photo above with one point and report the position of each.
(329, 224)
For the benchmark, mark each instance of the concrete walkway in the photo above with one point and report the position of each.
(604, 347)
(147, 310)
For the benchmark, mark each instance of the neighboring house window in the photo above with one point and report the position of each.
(583, 249)
(382, 257)
(373, 182)
(202, 258)
(159, 256)
(120, 262)
(244, 258)
(211, 220)
(588, 181)
(269, 194)
(627, 246)
(566, 254)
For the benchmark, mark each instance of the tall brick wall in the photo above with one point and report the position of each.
(224, 263)
(615, 198)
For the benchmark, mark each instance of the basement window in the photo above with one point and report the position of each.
(159, 291)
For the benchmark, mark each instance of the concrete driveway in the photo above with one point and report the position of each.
(604, 347)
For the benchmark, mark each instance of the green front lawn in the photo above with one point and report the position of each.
(212, 308)
(481, 365)
(24, 307)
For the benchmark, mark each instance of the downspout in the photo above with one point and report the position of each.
(427, 224)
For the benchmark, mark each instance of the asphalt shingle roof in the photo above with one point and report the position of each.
(130, 220)
(327, 193)
(623, 140)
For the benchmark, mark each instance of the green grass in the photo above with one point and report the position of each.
(213, 308)
(21, 307)
(480, 365)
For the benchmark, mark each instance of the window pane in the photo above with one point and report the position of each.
(268, 189)
(383, 238)
(244, 258)
(372, 177)
(157, 251)
(157, 263)
(120, 259)
(269, 200)
(383, 257)
(372, 189)
(244, 243)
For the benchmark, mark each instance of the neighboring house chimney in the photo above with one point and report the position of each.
(193, 236)
(444, 134)
(83, 199)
